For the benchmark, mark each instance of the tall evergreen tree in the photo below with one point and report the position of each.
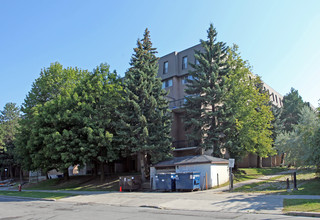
(9, 123)
(205, 106)
(145, 116)
(292, 105)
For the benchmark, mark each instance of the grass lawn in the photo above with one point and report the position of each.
(303, 205)
(78, 183)
(263, 186)
(311, 187)
(41, 195)
(253, 173)
(307, 183)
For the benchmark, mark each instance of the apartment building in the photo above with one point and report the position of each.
(173, 70)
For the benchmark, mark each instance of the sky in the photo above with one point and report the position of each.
(279, 38)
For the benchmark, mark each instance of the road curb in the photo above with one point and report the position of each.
(306, 214)
(30, 198)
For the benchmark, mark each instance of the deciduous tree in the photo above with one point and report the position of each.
(35, 126)
(301, 145)
(249, 114)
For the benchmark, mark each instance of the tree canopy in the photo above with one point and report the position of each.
(292, 105)
(145, 116)
(9, 123)
(301, 145)
(205, 106)
(39, 120)
(70, 118)
(225, 108)
(249, 114)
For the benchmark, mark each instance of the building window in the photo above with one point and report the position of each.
(165, 67)
(276, 99)
(197, 62)
(272, 97)
(280, 102)
(184, 79)
(167, 83)
(184, 62)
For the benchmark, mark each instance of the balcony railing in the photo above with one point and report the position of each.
(179, 103)
(185, 144)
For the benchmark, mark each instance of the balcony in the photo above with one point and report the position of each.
(180, 144)
(177, 104)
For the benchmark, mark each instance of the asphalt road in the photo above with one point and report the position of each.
(15, 208)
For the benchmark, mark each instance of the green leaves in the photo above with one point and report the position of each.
(224, 107)
(9, 125)
(205, 107)
(249, 113)
(145, 120)
(69, 118)
(292, 105)
(301, 145)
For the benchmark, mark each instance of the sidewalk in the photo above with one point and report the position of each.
(209, 200)
(197, 201)
(215, 200)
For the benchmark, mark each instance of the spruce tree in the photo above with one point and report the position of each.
(145, 115)
(9, 123)
(292, 105)
(205, 107)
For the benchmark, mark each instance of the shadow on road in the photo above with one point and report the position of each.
(251, 203)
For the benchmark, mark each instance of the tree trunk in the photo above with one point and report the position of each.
(102, 176)
(95, 169)
(11, 171)
(21, 175)
(66, 174)
(141, 159)
(259, 162)
(282, 159)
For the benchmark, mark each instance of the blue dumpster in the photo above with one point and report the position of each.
(188, 181)
(165, 181)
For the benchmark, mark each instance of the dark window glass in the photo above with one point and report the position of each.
(165, 67)
(185, 62)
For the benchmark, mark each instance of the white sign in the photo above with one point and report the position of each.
(231, 162)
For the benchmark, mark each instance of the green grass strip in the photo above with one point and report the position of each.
(39, 195)
(253, 173)
(250, 187)
(301, 205)
(311, 187)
